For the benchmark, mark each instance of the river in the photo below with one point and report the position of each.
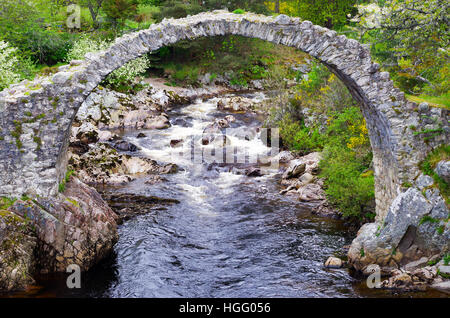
(230, 235)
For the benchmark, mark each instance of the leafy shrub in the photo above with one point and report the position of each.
(177, 9)
(8, 62)
(48, 46)
(239, 11)
(85, 45)
(128, 72)
(316, 78)
(296, 136)
(346, 159)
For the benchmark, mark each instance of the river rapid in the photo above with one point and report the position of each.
(230, 236)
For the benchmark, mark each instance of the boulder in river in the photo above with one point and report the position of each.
(176, 142)
(294, 171)
(141, 135)
(159, 122)
(333, 262)
(127, 205)
(169, 169)
(47, 235)
(253, 172)
(124, 145)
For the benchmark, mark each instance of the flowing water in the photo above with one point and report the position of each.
(230, 235)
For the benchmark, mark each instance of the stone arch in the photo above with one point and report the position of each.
(36, 116)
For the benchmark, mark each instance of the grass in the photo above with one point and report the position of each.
(62, 185)
(442, 101)
(427, 218)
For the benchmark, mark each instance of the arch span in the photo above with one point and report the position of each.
(36, 116)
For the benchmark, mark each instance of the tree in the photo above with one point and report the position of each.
(94, 8)
(120, 10)
(413, 37)
(328, 13)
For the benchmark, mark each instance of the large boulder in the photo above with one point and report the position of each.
(415, 226)
(104, 165)
(48, 235)
(78, 227)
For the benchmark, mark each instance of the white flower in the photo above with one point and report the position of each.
(8, 63)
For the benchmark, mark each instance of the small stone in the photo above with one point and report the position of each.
(416, 264)
(444, 269)
(125, 146)
(333, 262)
(424, 181)
(294, 171)
(141, 135)
(283, 157)
(424, 107)
(443, 170)
(175, 142)
(105, 135)
(282, 19)
(442, 286)
(402, 280)
(253, 172)
(168, 169)
(305, 179)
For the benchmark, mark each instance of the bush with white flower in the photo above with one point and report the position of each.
(124, 74)
(8, 65)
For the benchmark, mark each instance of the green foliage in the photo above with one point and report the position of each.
(62, 184)
(429, 219)
(297, 136)
(346, 155)
(236, 58)
(239, 11)
(8, 63)
(6, 203)
(429, 164)
(317, 77)
(442, 101)
(120, 10)
(446, 259)
(411, 38)
(324, 12)
(177, 9)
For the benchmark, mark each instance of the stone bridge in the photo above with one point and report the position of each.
(36, 116)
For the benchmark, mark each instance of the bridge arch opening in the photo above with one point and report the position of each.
(54, 102)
